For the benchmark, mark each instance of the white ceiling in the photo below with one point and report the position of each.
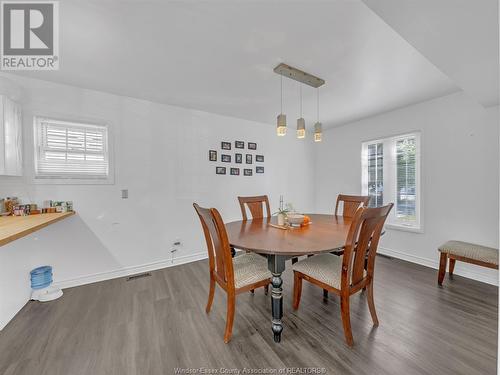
(459, 36)
(218, 56)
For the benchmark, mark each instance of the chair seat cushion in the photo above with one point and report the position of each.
(326, 268)
(471, 251)
(249, 268)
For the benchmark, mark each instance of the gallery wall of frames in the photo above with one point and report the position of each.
(237, 158)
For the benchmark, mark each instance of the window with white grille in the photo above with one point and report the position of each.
(70, 150)
(391, 174)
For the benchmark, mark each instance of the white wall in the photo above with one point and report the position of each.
(161, 156)
(460, 163)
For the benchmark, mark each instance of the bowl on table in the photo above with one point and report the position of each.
(295, 219)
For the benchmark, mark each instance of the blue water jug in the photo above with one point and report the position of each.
(41, 277)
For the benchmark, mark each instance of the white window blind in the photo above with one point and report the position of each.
(375, 166)
(391, 174)
(70, 149)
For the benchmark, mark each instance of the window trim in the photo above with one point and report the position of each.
(73, 180)
(390, 171)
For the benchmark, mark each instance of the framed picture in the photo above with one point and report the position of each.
(259, 169)
(238, 158)
(259, 158)
(225, 158)
(247, 172)
(235, 171)
(220, 170)
(252, 146)
(225, 145)
(212, 155)
(239, 144)
(249, 158)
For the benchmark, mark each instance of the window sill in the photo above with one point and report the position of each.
(405, 228)
(73, 181)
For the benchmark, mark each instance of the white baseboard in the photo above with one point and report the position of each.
(434, 263)
(127, 271)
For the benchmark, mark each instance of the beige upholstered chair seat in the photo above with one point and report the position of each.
(471, 251)
(249, 268)
(326, 268)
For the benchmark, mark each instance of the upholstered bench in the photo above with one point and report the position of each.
(465, 252)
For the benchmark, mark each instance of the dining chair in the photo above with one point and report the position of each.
(255, 206)
(346, 275)
(234, 275)
(351, 203)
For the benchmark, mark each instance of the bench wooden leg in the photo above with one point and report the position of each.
(442, 267)
(452, 266)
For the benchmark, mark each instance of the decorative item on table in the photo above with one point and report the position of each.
(31, 209)
(9, 204)
(41, 280)
(283, 212)
(3, 212)
(19, 210)
(60, 206)
(63, 206)
(48, 207)
(295, 219)
(289, 218)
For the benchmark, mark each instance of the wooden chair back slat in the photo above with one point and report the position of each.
(351, 203)
(219, 251)
(362, 243)
(255, 206)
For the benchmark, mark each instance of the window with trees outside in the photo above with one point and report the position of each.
(391, 174)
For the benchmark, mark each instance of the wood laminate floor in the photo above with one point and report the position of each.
(155, 324)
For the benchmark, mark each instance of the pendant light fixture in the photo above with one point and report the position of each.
(301, 123)
(281, 120)
(303, 78)
(317, 126)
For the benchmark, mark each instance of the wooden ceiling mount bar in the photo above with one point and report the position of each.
(298, 75)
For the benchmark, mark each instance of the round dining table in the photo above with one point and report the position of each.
(325, 233)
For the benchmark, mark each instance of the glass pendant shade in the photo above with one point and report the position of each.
(301, 128)
(281, 125)
(317, 132)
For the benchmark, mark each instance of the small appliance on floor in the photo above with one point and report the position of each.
(41, 280)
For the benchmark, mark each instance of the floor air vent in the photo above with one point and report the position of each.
(139, 276)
